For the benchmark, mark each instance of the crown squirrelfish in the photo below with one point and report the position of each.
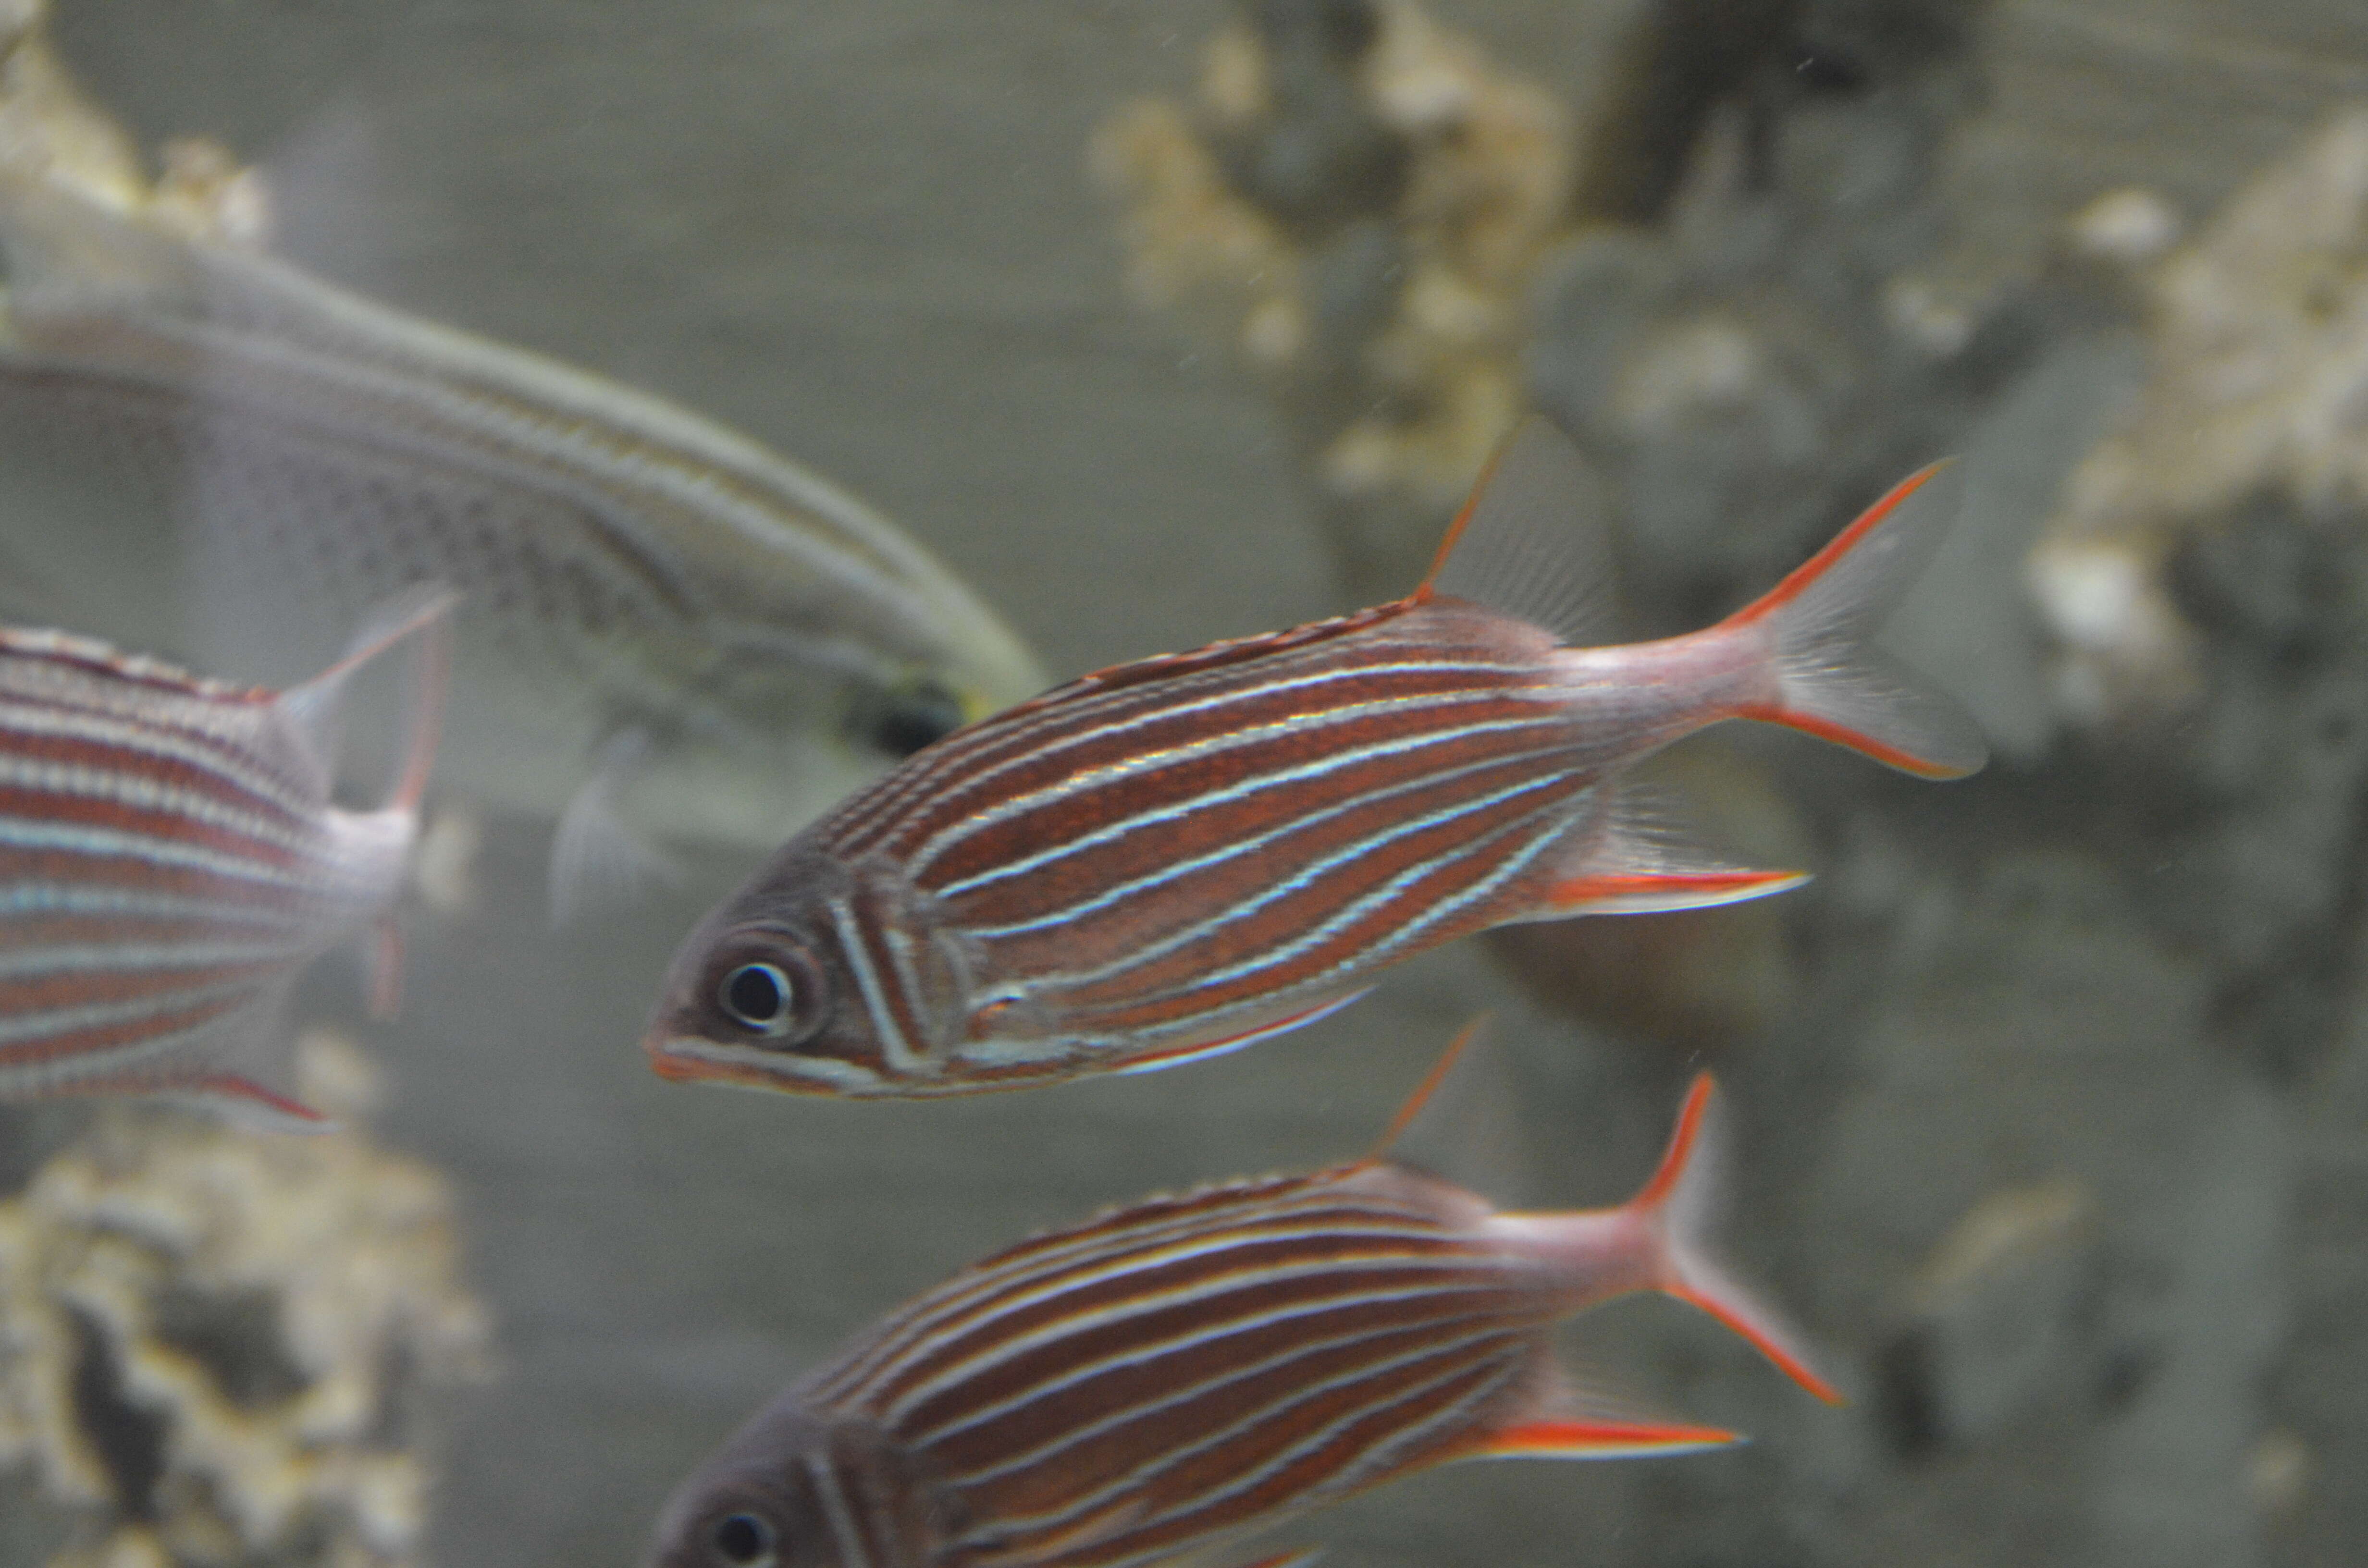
(1172, 1377)
(1180, 856)
(170, 860)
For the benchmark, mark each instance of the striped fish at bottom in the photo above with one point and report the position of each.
(1179, 856)
(171, 859)
(1170, 1378)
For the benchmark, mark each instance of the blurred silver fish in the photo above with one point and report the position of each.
(662, 624)
(170, 860)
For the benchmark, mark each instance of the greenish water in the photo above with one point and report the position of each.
(2126, 960)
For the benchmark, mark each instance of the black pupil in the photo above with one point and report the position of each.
(754, 993)
(915, 718)
(743, 1538)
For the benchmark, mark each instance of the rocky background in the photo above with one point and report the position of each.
(1169, 322)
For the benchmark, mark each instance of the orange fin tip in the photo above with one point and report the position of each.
(1567, 1438)
(245, 1100)
(1661, 892)
(1428, 1086)
(1299, 1559)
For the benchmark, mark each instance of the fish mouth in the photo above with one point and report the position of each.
(692, 1059)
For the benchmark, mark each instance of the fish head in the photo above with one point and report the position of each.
(785, 1491)
(820, 977)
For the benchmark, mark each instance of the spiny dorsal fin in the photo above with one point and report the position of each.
(1530, 542)
(1424, 1091)
(1463, 1123)
(420, 613)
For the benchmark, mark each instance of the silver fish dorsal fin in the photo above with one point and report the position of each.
(1531, 542)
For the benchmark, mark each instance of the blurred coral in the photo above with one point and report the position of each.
(215, 1346)
(2256, 394)
(51, 131)
(1355, 204)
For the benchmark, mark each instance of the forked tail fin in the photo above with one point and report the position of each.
(1831, 680)
(1680, 1206)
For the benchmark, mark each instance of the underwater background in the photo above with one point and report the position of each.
(1165, 322)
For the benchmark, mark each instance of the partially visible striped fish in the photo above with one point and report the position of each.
(170, 859)
(1180, 856)
(666, 630)
(1171, 1377)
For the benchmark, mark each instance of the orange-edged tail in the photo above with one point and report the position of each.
(1831, 680)
(1679, 1205)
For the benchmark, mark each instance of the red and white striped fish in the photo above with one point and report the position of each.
(170, 860)
(1177, 856)
(1171, 1377)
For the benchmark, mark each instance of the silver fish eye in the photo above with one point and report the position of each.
(744, 1539)
(758, 996)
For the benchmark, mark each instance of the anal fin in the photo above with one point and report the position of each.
(1298, 1559)
(1601, 1438)
(1630, 857)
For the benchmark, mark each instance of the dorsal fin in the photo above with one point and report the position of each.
(1530, 542)
(1426, 1088)
(422, 612)
(1214, 656)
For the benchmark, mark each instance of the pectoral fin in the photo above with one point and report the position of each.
(598, 859)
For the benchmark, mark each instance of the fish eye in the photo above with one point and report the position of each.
(912, 717)
(768, 987)
(758, 996)
(744, 1539)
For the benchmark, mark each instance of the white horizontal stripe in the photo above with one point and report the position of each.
(997, 1352)
(1350, 1296)
(141, 793)
(1074, 724)
(1250, 1211)
(30, 833)
(1087, 1502)
(1149, 952)
(39, 900)
(15, 1028)
(1041, 1275)
(99, 958)
(1345, 1477)
(28, 1078)
(1208, 800)
(1258, 842)
(227, 753)
(1213, 1500)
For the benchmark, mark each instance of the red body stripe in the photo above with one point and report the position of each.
(168, 859)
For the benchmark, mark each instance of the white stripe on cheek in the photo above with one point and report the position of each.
(841, 1518)
(895, 1051)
